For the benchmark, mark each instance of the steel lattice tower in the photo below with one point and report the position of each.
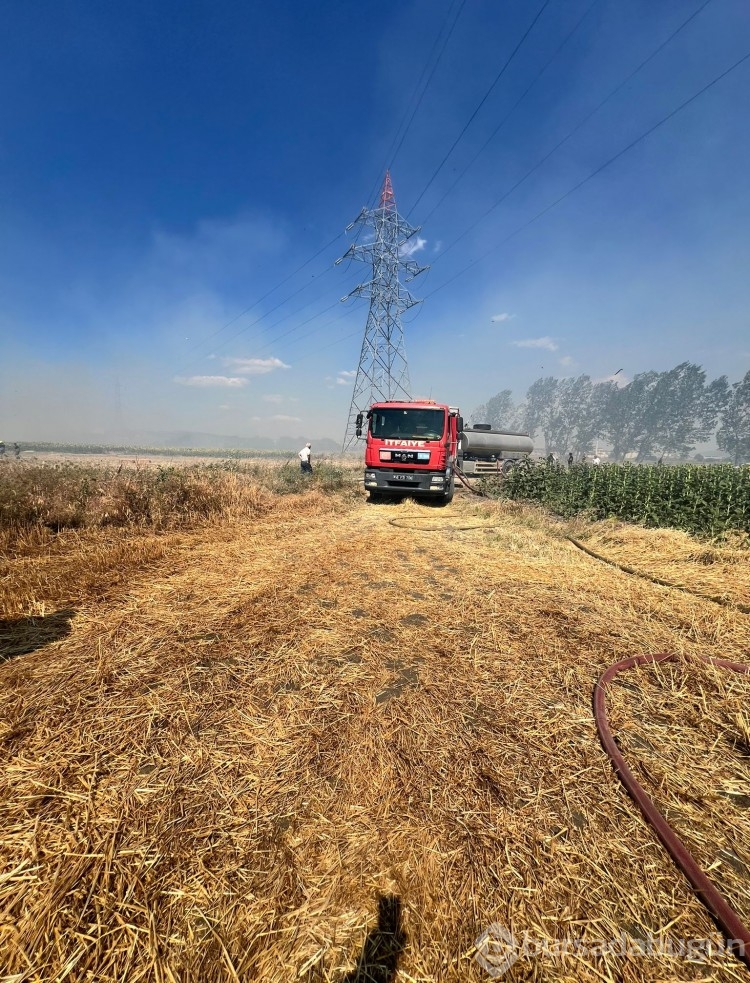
(382, 373)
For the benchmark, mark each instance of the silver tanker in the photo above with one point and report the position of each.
(483, 450)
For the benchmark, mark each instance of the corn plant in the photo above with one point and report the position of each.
(701, 499)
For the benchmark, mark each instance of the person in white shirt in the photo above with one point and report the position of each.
(304, 459)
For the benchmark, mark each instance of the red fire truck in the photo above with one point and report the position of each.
(411, 448)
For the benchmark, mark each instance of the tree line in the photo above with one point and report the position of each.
(656, 415)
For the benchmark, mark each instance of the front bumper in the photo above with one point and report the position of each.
(407, 481)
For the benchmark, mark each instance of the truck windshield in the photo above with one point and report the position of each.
(407, 424)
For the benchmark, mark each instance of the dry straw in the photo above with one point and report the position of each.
(309, 745)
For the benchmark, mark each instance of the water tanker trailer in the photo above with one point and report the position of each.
(483, 450)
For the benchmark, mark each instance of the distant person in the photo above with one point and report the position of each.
(16, 451)
(597, 459)
(2, 448)
(304, 459)
(570, 459)
(550, 459)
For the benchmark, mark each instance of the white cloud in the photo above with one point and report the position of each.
(499, 318)
(224, 406)
(276, 418)
(567, 360)
(545, 342)
(413, 245)
(346, 377)
(438, 246)
(208, 381)
(273, 398)
(255, 366)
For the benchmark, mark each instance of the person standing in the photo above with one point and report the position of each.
(570, 459)
(597, 459)
(304, 459)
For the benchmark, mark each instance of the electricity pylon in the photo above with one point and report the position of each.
(382, 373)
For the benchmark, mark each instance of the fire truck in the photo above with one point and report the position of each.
(414, 448)
(411, 448)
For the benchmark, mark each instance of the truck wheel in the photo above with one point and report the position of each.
(448, 496)
(375, 497)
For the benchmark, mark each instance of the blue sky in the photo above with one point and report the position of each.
(164, 165)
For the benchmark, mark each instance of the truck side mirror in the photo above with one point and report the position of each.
(460, 424)
(358, 422)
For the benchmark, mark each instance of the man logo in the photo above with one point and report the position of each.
(497, 950)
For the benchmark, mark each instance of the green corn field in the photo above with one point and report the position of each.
(700, 499)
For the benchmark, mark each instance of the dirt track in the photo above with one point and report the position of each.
(236, 746)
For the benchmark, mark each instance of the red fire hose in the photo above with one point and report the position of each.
(736, 932)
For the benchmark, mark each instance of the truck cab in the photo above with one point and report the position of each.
(411, 449)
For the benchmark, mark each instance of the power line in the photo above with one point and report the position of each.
(510, 112)
(389, 156)
(237, 334)
(268, 294)
(597, 170)
(482, 101)
(434, 68)
(594, 173)
(285, 334)
(575, 129)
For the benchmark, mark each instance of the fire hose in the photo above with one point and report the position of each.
(744, 608)
(736, 605)
(736, 932)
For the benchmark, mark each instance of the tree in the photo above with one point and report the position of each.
(566, 412)
(625, 422)
(540, 407)
(499, 411)
(676, 411)
(733, 435)
(666, 412)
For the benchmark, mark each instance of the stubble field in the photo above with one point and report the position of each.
(309, 738)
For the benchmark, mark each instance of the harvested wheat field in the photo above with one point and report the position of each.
(718, 569)
(334, 741)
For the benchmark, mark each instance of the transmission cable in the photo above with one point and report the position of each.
(268, 293)
(427, 85)
(390, 157)
(510, 112)
(482, 101)
(575, 129)
(285, 334)
(594, 173)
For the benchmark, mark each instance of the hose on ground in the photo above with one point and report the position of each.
(736, 932)
(744, 608)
